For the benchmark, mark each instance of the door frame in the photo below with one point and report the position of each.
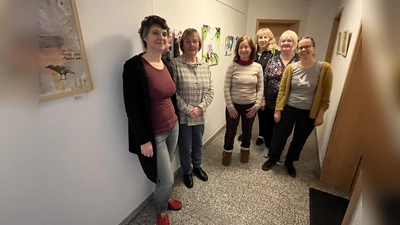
(332, 39)
(355, 197)
(329, 166)
(295, 23)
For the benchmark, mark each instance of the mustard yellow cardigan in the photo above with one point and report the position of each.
(322, 94)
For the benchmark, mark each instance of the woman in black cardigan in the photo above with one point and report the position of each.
(150, 102)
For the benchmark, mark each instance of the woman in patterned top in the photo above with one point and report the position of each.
(273, 75)
(194, 93)
(303, 98)
(243, 90)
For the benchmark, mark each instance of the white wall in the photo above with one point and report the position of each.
(89, 175)
(350, 19)
(284, 9)
(319, 24)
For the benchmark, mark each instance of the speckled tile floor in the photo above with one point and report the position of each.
(243, 194)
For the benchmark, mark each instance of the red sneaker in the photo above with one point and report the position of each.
(162, 219)
(174, 204)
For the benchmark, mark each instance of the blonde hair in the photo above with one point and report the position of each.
(271, 42)
(292, 35)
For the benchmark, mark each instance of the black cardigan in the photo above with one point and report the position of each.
(138, 109)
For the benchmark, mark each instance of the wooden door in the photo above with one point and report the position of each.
(278, 26)
(344, 150)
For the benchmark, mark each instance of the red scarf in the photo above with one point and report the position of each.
(244, 63)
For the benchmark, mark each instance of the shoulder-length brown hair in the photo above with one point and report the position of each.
(252, 45)
(190, 33)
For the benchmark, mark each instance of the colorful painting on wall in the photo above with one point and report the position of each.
(229, 44)
(63, 68)
(211, 43)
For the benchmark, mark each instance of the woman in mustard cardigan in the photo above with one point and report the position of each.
(302, 100)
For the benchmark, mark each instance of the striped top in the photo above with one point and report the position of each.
(194, 87)
(243, 85)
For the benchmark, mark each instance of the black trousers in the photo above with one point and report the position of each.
(303, 126)
(261, 122)
(269, 124)
(232, 124)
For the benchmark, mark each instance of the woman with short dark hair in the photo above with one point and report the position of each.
(150, 102)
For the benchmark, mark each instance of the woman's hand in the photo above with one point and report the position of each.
(262, 104)
(251, 112)
(277, 116)
(147, 149)
(319, 119)
(233, 114)
(195, 112)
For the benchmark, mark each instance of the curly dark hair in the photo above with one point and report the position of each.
(148, 22)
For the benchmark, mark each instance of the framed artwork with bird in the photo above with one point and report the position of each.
(63, 66)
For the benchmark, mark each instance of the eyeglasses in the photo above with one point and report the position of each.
(304, 47)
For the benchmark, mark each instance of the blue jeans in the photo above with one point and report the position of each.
(190, 146)
(166, 144)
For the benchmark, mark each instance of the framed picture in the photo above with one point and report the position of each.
(338, 43)
(229, 44)
(343, 44)
(63, 66)
(211, 43)
(346, 41)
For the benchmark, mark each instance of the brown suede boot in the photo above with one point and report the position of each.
(226, 157)
(244, 155)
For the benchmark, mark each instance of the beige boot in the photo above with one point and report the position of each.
(244, 155)
(226, 157)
